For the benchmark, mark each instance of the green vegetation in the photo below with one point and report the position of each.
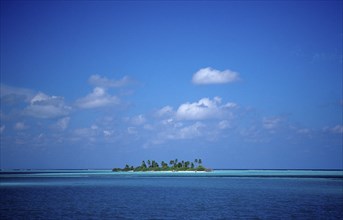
(174, 165)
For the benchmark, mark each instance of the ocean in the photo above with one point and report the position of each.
(221, 194)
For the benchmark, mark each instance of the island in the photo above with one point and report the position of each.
(175, 166)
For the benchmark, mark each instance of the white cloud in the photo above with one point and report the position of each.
(98, 98)
(20, 126)
(40, 105)
(2, 128)
(63, 123)
(96, 134)
(41, 97)
(44, 106)
(178, 132)
(303, 131)
(131, 130)
(205, 108)
(270, 123)
(103, 82)
(165, 111)
(178, 125)
(107, 133)
(86, 133)
(172, 122)
(148, 127)
(223, 124)
(253, 134)
(46, 111)
(15, 94)
(138, 120)
(338, 129)
(212, 76)
(94, 127)
(83, 132)
(190, 132)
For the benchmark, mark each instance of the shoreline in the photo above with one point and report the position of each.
(167, 171)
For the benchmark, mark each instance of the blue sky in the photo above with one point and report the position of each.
(239, 84)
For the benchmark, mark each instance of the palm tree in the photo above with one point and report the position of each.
(143, 164)
(163, 164)
(171, 162)
(149, 163)
(186, 164)
(200, 162)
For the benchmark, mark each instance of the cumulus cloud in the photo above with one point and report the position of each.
(338, 129)
(270, 123)
(165, 111)
(131, 130)
(175, 131)
(253, 134)
(212, 76)
(205, 108)
(191, 131)
(223, 124)
(44, 106)
(98, 98)
(179, 124)
(20, 126)
(87, 133)
(103, 82)
(11, 95)
(303, 131)
(171, 121)
(138, 120)
(107, 133)
(63, 123)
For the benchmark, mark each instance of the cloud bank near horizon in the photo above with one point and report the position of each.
(37, 119)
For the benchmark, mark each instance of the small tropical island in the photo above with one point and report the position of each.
(173, 166)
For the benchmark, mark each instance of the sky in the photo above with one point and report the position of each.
(239, 84)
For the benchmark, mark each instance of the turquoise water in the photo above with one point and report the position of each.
(221, 194)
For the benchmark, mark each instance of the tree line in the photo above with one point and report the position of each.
(173, 165)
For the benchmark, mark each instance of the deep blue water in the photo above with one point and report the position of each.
(216, 195)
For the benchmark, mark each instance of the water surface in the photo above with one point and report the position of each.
(222, 194)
